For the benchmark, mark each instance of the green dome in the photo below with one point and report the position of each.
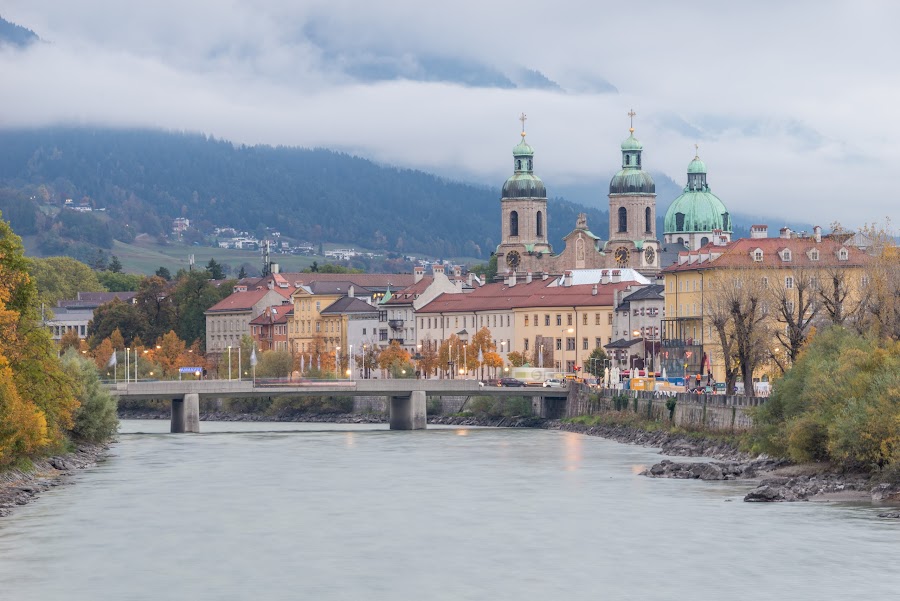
(631, 143)
(697, 211)
(524, 185)
(523, 149)
(697, 166)
(632, 181)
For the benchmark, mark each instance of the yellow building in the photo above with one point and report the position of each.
(309, 331)
(812, 277)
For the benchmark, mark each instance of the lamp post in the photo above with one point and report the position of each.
(127, 350)
(350, 364)
(565, 343)
(637, 333)
(502, 352)
(337, 361)
(229, 361)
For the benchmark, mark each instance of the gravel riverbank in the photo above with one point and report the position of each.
(18, 487)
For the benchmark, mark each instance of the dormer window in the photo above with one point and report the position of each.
(814, 254)
(843, 255)
(786, 255)
(758, 255)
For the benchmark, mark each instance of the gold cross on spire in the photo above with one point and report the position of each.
(523, 119)
(631, 115)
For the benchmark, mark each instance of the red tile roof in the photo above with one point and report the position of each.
(492, 297)
(739, 253)
(239, 301)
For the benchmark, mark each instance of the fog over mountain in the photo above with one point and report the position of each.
(789, 103)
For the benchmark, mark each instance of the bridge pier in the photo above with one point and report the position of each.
(408, 412)
(186, 414)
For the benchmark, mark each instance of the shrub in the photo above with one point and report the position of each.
(95, 419)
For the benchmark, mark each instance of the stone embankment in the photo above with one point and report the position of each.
(18, 487)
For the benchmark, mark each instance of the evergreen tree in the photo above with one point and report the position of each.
(115, 266)
(164, 273)
(215, 270)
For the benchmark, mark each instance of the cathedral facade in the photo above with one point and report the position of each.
(631, 242)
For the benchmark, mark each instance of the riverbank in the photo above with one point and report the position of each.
(18, 487)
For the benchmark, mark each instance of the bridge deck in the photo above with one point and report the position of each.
(268, 388)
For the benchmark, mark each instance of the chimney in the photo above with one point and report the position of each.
(544, 276)
(270, 284)
(418, 273)
(511, 280)
(457, 271)
(616, 276)
(817, 233)
(594, 290)
(759, 231)
(567, 278)
(785, 232)
(528, 278)
(437, 269)
(351, 292)
(604, 276)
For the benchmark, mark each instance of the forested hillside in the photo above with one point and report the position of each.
(144, 179)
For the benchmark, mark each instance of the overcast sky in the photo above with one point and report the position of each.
(794, 104)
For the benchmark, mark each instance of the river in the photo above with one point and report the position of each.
(334, 511)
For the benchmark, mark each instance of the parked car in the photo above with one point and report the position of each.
(511, 382)
(490, 382)
(553, 383)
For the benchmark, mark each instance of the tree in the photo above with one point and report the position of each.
(95, 419)
(59, 278)
(215, 270)
(117, 315)
(115, 266)
(596, 362)
(164, 273)
(242, 273)
(429, 357)
(192, 295)
(486, 271)
(795, 311)
(516, 359)
(274, 364)
(394, 358)
(153, 301)
(170, 353)
(736, 310)
(102, 354)
(881, 299)
(70, 340)
(119, 282)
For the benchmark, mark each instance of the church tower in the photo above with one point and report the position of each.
(697, 217)
(523, 208)
(632, 212)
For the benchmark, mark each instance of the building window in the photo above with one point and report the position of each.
(648, 221)
(568, 319)
(570, 344)
(814, 255)
(609, 320)
(525, 344)
(383, 335)
(842, 255)
(558, 319)
(318, 328)
(787, 255)
(789, 282)
(623, 219)
(596, 319)
(584, 318)
(540, 224)
(513, 223)
(526, 321)
(597, 342)
(546, 319)
(559, 344)
(758, 256)
(584, 344)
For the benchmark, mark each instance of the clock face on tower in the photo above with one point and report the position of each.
(512, 258)
(649, 255)
(621, 255)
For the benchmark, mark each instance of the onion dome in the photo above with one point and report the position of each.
(631, 179)
(524, 183)
(697, 209)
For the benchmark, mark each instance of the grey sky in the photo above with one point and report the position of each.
(792, 103)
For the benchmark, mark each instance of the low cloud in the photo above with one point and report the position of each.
(793, 115)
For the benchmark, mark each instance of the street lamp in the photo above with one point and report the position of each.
(635, 334)
(337, 361)
(229, 361)
(350, 364)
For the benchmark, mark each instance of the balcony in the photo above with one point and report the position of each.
(396, 324)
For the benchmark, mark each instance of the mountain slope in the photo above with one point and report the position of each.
(16, 35)
(146, 178)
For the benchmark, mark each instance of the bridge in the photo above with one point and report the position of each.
(406, 397)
